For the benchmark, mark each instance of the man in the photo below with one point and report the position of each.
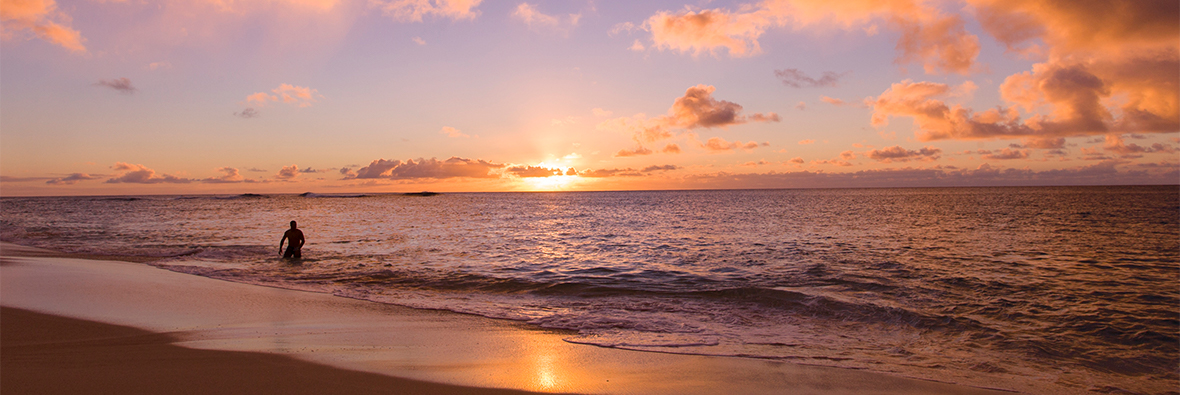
(295, 236)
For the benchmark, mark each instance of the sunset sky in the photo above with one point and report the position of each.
(105, 97)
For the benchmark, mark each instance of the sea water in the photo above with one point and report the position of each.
(1037, 289)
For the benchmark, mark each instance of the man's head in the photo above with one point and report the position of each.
(292, 224)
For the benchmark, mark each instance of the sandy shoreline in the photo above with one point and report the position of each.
(336, 344)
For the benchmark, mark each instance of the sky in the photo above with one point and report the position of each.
(121, 97)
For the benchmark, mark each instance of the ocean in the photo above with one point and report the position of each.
(1034, 289)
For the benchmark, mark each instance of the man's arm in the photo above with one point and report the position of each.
(281, 243)
(301, 241)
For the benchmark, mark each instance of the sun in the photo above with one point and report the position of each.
(553, 183)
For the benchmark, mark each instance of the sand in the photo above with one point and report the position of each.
(73, 325)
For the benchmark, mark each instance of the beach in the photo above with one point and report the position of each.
(97, 326)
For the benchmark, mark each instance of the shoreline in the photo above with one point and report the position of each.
(344, 336)
(39, 350)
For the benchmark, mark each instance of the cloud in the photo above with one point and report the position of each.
(454, 167)
(603, 173)
(40, 18)
(1073, 93)
(256, 170)
(671, 148)
(140, 174)
(833, 101)
(1070, 27)
(706, 31)
(1114, 144)
(796, 79)
(288, 172)
(598, 112)
(696, 109)
(72, 179)
(1007, 154)
(418, 40)
(532, 171)
(637, 46)
(718, 144)
(938, 41)
(229, 175)
(660, 168)
(623, 153)
(248, 113)
(1105, 68)
(452, 132)
(23, 179)
(805, 142)
(898, 154)
(538, 21)
(286, 93)
(159, 66)
(123, 85)
(416, 10)
(801, 106)
(796, 160)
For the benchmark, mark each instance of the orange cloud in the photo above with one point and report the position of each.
(696, 109)
(416, 10)
(1109, 67)
(708, 30)
(938, 41)
(532, 171)
(718, 144)
(286, 93)
(1073, 27)
(41, 18)
(623, 153)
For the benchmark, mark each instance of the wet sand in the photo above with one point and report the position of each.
(75, 325)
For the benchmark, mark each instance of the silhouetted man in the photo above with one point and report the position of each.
(295, 236)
